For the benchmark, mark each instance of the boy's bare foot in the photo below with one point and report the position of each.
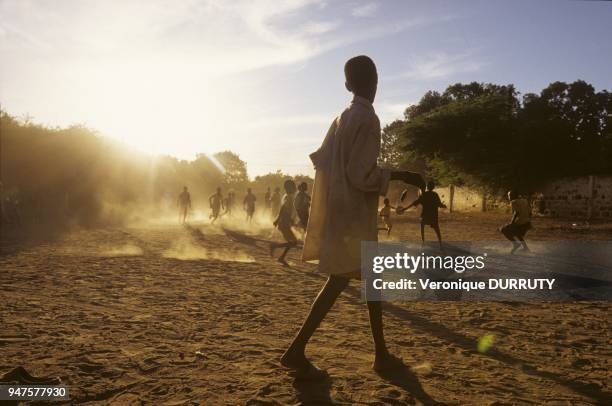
(387, 362)
(282, 261)
(292, 359)
(515, 247)
(303, 369)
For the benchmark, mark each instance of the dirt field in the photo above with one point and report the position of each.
(120, 314)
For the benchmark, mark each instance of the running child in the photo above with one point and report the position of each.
(184, 204)
(275, 201)
(249, 205)
(385, 215)
(302, 204)
(430, 201)
(284, 221)
(216, 204)
(519, 225)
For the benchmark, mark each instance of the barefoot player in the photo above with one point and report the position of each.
(184, 204)
(430, 201)
(519, 225)
(344, 210)
(284, 221)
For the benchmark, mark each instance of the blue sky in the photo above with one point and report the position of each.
(264, 78)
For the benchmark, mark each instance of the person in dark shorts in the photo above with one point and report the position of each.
(249, 204)
(430, 201)
(284, 221)
(521, 222)
(216, 203)
(302, 204)
(268, 202)
(184, 204)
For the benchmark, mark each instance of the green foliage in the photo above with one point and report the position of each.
(483, 136)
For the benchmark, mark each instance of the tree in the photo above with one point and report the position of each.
(484, 136)
(235, 168)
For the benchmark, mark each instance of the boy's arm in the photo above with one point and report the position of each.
(411, 178)
(414, 204)
(514, 212)
(362, 169)
(321, 157)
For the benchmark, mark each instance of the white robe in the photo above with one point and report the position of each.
(347, 184)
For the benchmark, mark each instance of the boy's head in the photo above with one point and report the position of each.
(303, 187)
(184, 188)
(248, 191)
(431, 185)
(361, 77)
(289, 186)
(386, 201)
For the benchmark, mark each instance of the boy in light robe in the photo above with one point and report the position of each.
(344, 209)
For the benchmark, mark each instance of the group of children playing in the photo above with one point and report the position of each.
(342, 212)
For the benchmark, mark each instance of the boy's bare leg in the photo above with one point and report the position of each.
(523, 243)
(281, 259)
(423, 233)
(294, 357)
(438, 234)
(382, 359)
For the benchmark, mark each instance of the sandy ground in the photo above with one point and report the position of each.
(119, 315)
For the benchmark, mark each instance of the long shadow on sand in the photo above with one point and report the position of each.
(591, 390)
(406, 379)
(409, 382)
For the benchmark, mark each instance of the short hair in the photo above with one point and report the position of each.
(360, 72)
(431, 185)
(289, 186)
(303, 186)
(386, 201)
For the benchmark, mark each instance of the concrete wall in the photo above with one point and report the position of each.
(463, 198)
(586, 197)
(579, 197)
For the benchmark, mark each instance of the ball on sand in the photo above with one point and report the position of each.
(485, 342)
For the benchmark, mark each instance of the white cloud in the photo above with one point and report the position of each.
(365, 10)
(439, 65)
(389, 111)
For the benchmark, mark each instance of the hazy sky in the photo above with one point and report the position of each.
(264, 78)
